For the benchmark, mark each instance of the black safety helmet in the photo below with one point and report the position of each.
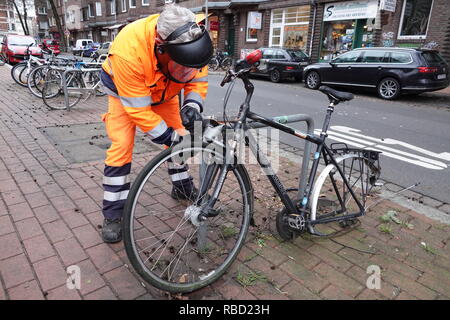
(192, 54)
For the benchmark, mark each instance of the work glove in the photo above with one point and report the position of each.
(190, 112)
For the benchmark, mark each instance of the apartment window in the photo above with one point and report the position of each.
(124, 5)
(415, 19)
(113, 6)
(84, 14)
(98, 9)
(132, 3)
(42, 10)
(91, 10)
(49, 6)
(59, 3)
(254, 23)
(43, 25)
(145, 2)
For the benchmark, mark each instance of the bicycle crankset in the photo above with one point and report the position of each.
(289, 226)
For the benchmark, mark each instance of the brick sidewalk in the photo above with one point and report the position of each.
(50, 216)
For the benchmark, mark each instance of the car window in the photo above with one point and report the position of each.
(348, 57)
(105, 46)
(268, 54)
(21, 41)
(374, 56)
(432, 57)
(297, 54)
(400, 57)
(279, 55)
(84, 43)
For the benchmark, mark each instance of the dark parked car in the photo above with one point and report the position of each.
(391, 71)
(279, 64)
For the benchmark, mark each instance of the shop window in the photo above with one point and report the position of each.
(374, 56)
(415, 19)
(349, 57)
(289, 27)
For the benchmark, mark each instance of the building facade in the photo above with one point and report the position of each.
(322, 28)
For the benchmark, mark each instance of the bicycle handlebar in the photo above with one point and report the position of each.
(243, 67)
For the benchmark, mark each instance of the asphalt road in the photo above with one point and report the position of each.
(413, 132)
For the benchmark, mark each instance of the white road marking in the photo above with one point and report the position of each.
(354, 138)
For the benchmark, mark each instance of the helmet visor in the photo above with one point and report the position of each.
(181, 73)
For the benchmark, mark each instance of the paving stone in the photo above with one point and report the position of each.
(46, 214)
(50, 273)
(298, 292)
(20, 211)
(26, 291)
(38, 248)
(310, 279)
(73, 218)
(70, 251)
(124, 283)
(28, 228)
(349, 286)
(6, 225)
(37, 199)
(104, 258)
(334, 293)
(104, 293)
(15, 270)
(63, 293)
(10, 246)
(88, 236)
(57, 231)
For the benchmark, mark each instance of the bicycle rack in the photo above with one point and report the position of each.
(307, 151)
(64, 83)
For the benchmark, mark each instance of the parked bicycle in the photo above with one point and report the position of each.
(182, 246)
(64, 87)
(220, 60)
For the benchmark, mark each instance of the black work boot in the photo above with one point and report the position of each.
(112, 230)
(189, 193)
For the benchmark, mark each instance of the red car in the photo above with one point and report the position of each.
(14, 47)
(52, 45)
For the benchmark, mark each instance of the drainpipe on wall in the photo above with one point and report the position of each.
(314, 4)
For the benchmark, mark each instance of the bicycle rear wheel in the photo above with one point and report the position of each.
(36, 80)
(331, 197)
(164, 240)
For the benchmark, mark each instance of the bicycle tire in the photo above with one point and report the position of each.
(55, 100)
(331, 197)
(130, 212)
(226, 64)
(213, 64)
(16, 70)
(36, 81)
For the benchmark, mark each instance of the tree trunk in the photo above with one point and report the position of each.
(58, 24)
(25, 16)
(20, 17)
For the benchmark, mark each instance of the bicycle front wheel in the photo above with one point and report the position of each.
(17, 70)
(164, 240)
(53, 91)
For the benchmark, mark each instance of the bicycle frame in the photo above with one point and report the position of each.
(293, 208)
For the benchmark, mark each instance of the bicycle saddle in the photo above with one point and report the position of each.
(335, 95)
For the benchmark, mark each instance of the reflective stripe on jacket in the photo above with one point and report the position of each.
(133, 68)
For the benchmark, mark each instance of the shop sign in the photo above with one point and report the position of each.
(388, 5)
(254, 20)
(351, 10)
(104, 33)
(214, 25)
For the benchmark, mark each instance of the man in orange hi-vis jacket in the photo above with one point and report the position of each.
(149, 63)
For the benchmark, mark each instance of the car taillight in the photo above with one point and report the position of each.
(290, 68)
(427, 69)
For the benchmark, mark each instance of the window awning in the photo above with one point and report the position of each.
(116, 26)
(199, 17)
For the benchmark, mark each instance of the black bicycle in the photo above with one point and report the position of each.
(220, 61)
(184, 245)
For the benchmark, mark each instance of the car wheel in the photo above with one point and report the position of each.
(388, 89)
(312, 80)
(275, 76)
